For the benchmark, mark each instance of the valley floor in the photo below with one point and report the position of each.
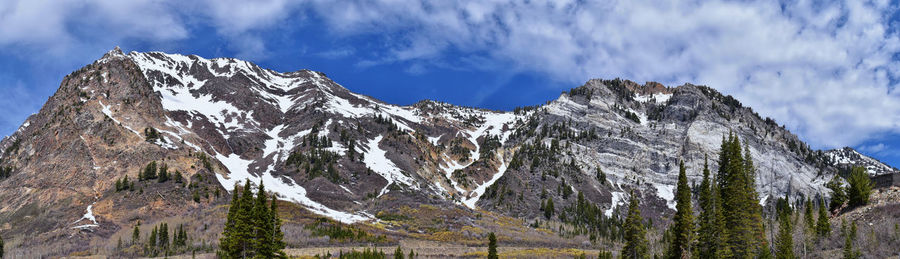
(435, 251)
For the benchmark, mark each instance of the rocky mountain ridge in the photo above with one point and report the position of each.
(346, 156)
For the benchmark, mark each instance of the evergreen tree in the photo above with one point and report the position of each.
(740, 204)
(150, 171)
(163, 173)
(635, 234)
(492, 246)
(823, 227)
(398, 253)
(849, 237)
(2, 247)
(709, 230)
(785, 241)
(683, 221)
(838, 192)
(548, 209)
(860, 187)
(808, 216)
(230, 244)
(411, 253)
(136, 234)
(163, 235)
(252, 227)
(277, 241)
(151, 241)
(260, 224)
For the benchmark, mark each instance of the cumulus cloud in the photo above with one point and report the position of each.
(824, 68)
(62, 26)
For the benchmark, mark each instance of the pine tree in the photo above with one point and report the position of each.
(152, 240)
(548, 209)
(229, 244)
(849, 237)
(150, 171)
(252, 227)
(492, 246)
(411, 253)
(823, 227)
(261, 227)
(398, 253)
(163, 173)
(2, 247)
(860, 187)
(683, 221)
(742, 213)
(785, 241)
(136, 234)
(838, 192)
(163, 235)
(277, 240)
(635, 234)
(709, 230)
(808, 216)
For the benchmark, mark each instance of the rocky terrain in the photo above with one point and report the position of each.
(214, 123)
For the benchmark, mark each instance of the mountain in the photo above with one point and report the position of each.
(846, 158)
(214, 123)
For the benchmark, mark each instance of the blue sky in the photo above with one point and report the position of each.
(825, 69)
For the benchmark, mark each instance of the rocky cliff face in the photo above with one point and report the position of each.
(218, 122)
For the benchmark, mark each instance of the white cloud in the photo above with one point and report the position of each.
(824, 69)
(874, 149)
(64, 26)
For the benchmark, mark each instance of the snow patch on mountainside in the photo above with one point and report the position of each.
(106, 110)
(667, 193)
(376, 160)
(617, 199)
(284, 187)
(476, 193)
(658, 98)
(89, 215)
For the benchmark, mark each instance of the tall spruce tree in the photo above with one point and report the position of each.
(823, 227)
(808, 216)
(683, 221)
(252, 227)
(635, 234)
(849, 237)
(742, 213)
(151, 241)
(228, 243)
(709, 229)
(838, 192)
(136, 233)
(492, 246)
(784, 244)
(260, 227)
(860, 187)
(276, 242)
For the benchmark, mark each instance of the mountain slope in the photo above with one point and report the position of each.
(349, 157)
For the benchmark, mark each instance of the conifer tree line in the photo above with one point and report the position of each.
(159, 241)
(159, 172)
(730, 220)
(252, 227)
